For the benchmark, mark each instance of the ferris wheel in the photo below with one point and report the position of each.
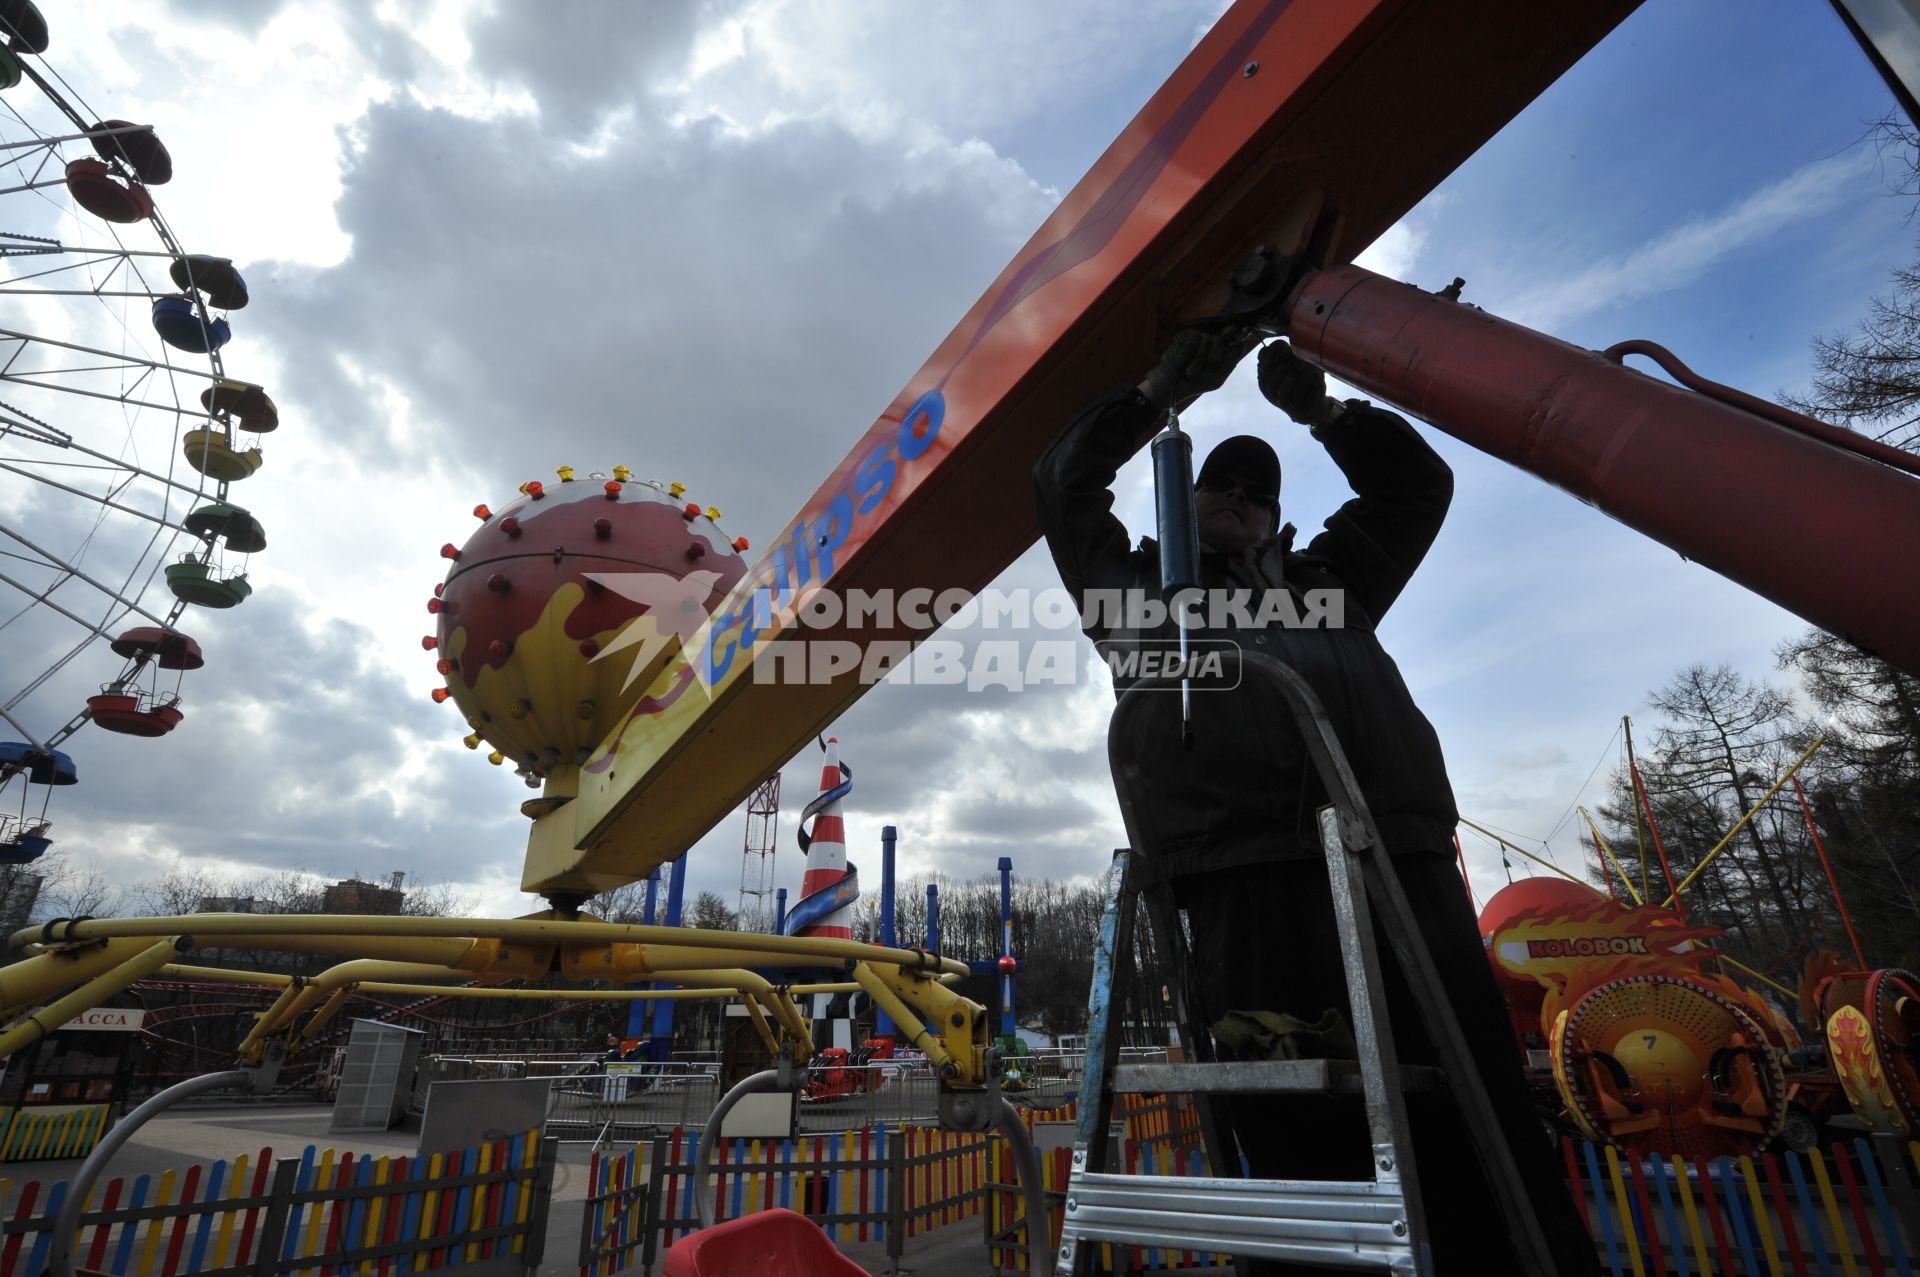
(122, 434)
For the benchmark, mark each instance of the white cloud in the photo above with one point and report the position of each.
(1678, 257)
(1395, 252)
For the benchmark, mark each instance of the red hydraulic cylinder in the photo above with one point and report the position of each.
(1823, 532)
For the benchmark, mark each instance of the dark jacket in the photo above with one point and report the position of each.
(1245, 791)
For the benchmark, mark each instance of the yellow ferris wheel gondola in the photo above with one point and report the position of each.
(207, 450)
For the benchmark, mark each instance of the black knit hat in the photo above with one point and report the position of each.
(1247, 458)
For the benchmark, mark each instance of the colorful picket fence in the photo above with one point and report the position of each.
(1161, 1121)
(945, 1177)
(878, 1184)
(68, 1130)
(1835, 1212)
(873, 1185)
(1068, 1112)
(322, 1212)
(839, 1180)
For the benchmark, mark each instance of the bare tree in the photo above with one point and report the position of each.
(79, 893)
(624, 903)
(177, 892)
(435, 900)
(1868, 378)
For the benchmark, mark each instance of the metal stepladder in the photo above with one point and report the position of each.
(1376, 1224)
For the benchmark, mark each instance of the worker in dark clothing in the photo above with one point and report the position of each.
(1234, 814)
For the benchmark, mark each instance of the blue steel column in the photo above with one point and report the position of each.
(780, 912)
(1006, 944)
(933, 916)
(661, 1048)
(637, 1011)
(882, 1022)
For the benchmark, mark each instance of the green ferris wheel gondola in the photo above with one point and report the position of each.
(236, 528)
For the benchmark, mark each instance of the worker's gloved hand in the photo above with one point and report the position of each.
(1194, 364)
(1293, 385)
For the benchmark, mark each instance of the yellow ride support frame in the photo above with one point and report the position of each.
(958, 1048)
(92, 959)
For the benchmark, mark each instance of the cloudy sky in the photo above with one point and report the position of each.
(711, 241)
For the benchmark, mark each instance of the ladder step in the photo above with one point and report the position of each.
(1250, 1077)
(1334, 1223)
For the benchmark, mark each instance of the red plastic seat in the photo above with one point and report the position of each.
(772, 1243)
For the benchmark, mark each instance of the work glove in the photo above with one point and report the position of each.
(1194, 364)
(1291, 384)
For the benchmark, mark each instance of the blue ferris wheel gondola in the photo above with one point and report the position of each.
(177, 320)
(39, 766)
(23, 838)
(26, 846)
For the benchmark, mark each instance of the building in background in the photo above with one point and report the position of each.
(355, 896)
(235, 904)
(19, 893)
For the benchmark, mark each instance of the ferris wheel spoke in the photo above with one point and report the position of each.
(72, 370)
(28, 246)
(84, 135)
(39, 245)
(25, 734)
(9, 291)
(54, 96)
(48, 184)
(29, 339)
(99, 499)
(74, 261)
(160, 404)
(94, 629)
(128, 469)
(61, 565)
(110, 623)
(119, 606)
(28, 159)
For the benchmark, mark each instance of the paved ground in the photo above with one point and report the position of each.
(954, 1251)
(206, 1134)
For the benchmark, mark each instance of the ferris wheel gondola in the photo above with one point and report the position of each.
(121, 431)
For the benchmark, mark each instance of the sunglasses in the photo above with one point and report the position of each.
(1250, 490)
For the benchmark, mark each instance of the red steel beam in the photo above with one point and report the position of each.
(1306, 125)
(1822, 531)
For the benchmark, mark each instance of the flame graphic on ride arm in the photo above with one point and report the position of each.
(1856, 1062)
(676, 605)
